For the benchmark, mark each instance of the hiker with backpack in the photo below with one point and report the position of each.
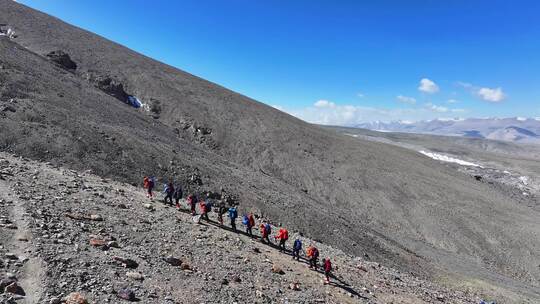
(233, 214)
(297, 247)
(177, 195)
(313, 255)
(169, 191)
(282, 236)
(221, 211)
(148, 184)
(265, 229)
(204, 210)
(192, 201)
(327, 265)
(249, 221)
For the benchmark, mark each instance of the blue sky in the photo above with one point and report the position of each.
(340, 62)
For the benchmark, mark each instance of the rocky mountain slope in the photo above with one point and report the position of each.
(70, 97)
(69, 235)
(513, 167)
(516, 129)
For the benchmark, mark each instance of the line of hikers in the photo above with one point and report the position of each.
(174, 193)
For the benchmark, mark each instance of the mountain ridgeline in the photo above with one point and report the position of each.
(517, 129)
(70, 97)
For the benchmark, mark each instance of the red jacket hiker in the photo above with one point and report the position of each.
(148, 184)
(263, 231)
(283, 236)
(327, 268)
(327, 265)
(204, 210)
(251, 220)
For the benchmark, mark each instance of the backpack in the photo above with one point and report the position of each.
(297, 245)
(233, 213)
(285, 234)
(327, 265)
(245, 220)
(268, 229)
(146, 182)
(208, 205)
(315, 252)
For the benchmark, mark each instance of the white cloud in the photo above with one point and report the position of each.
(458, 110)
(329, 113)
(360, 95)
(466, 85)
(436, 108)
(324, 104)
(428, 86)
(491, 95)
(452, 101)
(278, 107)
(487, 94)
(405, 99)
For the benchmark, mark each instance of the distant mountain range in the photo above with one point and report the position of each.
(516, 129)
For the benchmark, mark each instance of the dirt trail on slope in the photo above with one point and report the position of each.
(29, 271)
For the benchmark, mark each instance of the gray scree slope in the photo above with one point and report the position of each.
(363, 197)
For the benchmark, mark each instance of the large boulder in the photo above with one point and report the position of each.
(62, 59)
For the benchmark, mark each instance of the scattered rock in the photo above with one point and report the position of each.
(96, 217)
(277, 269)
(128, 263)
(173, 261)
(294, 286)
(75, 298)
(11, 256)
(11, 226)
(14, 288)
(5, 282)
(113, 244)
(22, 238)
(55, 300)
(185, 266)
(126, 294)
(135, 275)
(9, 109)
(97, 242)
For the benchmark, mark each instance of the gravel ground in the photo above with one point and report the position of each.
(65, 228)
(62, 100)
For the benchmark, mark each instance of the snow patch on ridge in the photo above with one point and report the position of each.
(448, 159)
